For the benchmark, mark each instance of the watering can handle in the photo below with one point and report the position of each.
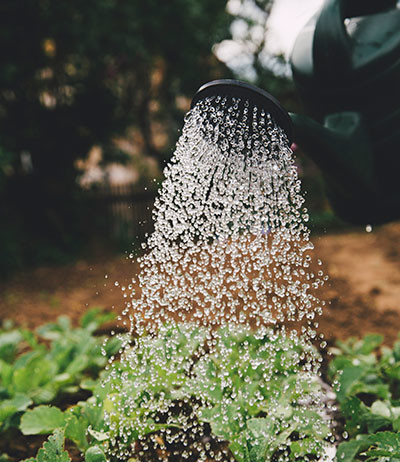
(332, 46)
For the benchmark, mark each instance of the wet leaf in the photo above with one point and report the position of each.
(384, 444)
(95, 454)
(348, 450)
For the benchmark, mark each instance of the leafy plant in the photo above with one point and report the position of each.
(253, 392)
(40, 374)
(53, 450)
(368, 379)
(248, 388)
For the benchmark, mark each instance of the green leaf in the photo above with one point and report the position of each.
(5, 458)
(386, 444)
(376, 422)
(64, 323)
(260, 427)
(44, 394)
(42, 420)
(396, 350)
(18, 403)
(75, 430)
(95, 454)
(360, 419)
(379, 390)
(348, 450)
(93, 413)
(53, 449)
(89, 317)
(94, 318)
(99, 436)
(31, 339)
(239, 450)
(303, 447)
(354, 411)
(260, 431)
(6, 373)
(79, 364)
(112, 345)
(36, 372)
(396, 424)
(89, 384)
(223, 420)
(8, 344)
(370, 342)
(381, 408)
(393, 371)
(349, 376)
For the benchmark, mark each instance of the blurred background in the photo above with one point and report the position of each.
(92, 98)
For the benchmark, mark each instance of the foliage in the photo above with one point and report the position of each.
(268, 387)
(248, 388)
(252, 61)
(77, 74)
(34, 372)
(53, 450)
(368, 375)
(139, 395)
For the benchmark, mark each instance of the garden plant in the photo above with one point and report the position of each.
(57, 382)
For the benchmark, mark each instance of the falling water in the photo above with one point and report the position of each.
(230, 250)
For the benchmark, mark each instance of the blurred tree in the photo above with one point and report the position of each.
(75, 74)
(247, 54)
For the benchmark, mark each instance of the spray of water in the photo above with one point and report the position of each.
(230, 255)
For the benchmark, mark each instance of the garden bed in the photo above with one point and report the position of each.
(363, 289)
(64, 397)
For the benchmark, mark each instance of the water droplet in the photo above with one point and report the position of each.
(230, 249)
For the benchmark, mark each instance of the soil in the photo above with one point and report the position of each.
(362, 293)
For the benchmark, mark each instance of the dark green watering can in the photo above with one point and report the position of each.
(346, 66)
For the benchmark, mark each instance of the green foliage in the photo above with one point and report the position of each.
(77, 74)
(42, 420)
(241, 365)
(368, 377)
(158, 372)
(10, 407)
(9, 341)
(39, 375)
(126, 402)
(265, 379)
(95, 454)
(253, 61)
(384, 446)
(83, 423)
(53, 450)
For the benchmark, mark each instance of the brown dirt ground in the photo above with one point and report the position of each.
(363, 291)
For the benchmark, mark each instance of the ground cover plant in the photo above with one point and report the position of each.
(368, 375)
(168, 400)
(48, 366)
(141, 408)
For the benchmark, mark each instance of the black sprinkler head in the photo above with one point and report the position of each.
(254, 95)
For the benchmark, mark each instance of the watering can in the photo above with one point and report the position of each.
(346, 67)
